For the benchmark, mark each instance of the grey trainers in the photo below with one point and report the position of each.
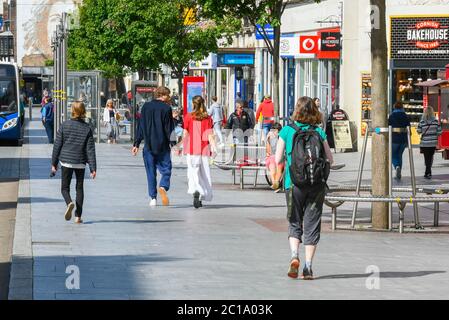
(293, 269)
(68, 211)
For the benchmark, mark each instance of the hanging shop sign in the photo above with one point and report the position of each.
(210, 62)
(419, 38)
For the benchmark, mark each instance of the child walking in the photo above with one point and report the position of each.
(198, 139)
(305, 202)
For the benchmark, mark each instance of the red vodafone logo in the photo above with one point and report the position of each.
(308, 44)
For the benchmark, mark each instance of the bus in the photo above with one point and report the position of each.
(10, 111)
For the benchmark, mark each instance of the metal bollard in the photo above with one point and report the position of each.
(390, 177)
(334, 218)
(401, 206)
(436, 212)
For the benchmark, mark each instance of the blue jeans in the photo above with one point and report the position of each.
(161, 162)
(50, 129)
(266, 127)
(397, 151)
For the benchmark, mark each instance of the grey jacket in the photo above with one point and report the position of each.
(216, 112)
(75, 144)
(429, 130)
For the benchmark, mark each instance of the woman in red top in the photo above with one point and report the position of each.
(198, 138)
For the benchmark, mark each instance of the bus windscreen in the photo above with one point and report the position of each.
(8, 97)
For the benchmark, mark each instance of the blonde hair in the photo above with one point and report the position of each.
(429, 114)
(109, 102)
(78, 110)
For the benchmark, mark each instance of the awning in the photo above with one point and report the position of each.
(432, 83)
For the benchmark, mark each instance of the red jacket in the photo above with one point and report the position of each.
(267, 110)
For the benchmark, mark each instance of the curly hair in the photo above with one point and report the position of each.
(307, 112)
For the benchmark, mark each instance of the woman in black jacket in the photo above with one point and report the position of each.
(73, 148)
(240, 123)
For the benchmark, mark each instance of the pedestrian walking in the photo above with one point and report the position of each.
(275, 170)
(305, 180)
(323, 112)
(251, 113)
(217, 114)
(48, 118)
(110, 120)
(398, 119)
(430, 129)
(239, 122)
(155, 127)
(266, 110)
(73, 148)
(198, 140)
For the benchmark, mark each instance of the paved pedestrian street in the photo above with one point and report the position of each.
(234, 248)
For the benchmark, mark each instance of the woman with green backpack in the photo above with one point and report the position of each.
(308, 159)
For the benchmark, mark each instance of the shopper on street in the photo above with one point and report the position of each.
(217, 114)
(240, 122)
(398, 119)
(48, 118)
(156, 126)
(73, 148)
(430, 129)
(110, 120)
(305, 203)
(266, 110)
(198, 139)
(323, 112)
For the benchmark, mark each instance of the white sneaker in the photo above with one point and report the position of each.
(153, 203)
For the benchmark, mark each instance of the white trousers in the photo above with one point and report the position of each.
(198, 173)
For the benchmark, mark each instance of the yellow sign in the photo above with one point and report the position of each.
(189, 17)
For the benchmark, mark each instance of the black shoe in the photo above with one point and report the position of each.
(398, 173)
(428, 176)
(196, 200)
(307, 274)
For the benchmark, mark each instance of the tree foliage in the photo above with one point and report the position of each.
(257, 12)
(118, 36)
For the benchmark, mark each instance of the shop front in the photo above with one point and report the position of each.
(236, 78)
(419, 51)
(311, 65)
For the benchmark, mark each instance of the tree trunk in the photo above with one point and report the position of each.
(180, 93)
(380, 117)
(275, 70)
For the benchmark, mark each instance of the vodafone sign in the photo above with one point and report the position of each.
(309, 44)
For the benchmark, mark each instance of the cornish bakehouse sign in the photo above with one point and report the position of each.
(420, 38)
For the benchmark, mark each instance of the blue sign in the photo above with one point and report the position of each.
(268, 30)
(235, 59)
(1, 22)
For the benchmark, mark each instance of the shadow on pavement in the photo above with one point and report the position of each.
(387, 274)
(227, 206)
(28, 200)
(132, 221)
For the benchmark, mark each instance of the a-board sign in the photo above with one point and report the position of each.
(342, 134)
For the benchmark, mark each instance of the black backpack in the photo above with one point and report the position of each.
(308, 166)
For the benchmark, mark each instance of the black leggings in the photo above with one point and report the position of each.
(428, 158)
(67, 174)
